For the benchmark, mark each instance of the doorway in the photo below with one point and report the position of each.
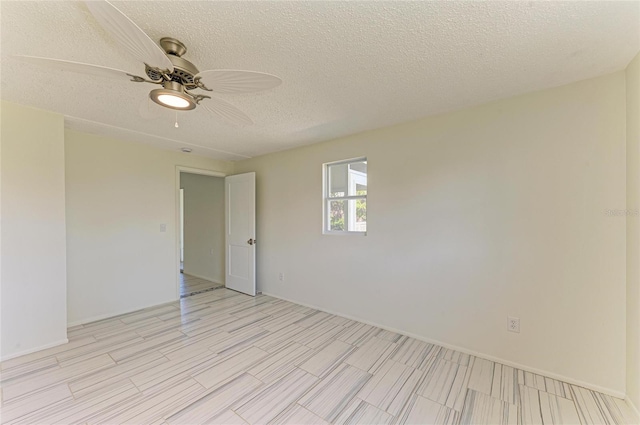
(201, 235)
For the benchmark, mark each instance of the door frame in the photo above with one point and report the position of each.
(190, 170)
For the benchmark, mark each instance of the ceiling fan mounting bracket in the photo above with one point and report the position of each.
(198, 97)
(137, 79)
(197, 81)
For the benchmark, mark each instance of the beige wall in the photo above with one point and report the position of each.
(118, 195)
(633, 231)
(33, 277)
(474, 215)
(203, 226)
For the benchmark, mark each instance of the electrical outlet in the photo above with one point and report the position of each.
(513, 324)
(281, 277)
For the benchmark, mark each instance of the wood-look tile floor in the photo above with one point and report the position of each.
(191, 285)
(223, 357)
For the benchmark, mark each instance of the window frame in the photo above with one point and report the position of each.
(326, 199)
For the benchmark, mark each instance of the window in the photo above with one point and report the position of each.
(345, 197)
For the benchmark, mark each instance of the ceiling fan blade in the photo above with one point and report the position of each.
(127, 33)
(226, 110)
(82, 68)
(237, 81)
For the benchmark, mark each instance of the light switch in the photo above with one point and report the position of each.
(163, 227)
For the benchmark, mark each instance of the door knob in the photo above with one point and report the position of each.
(251, 241)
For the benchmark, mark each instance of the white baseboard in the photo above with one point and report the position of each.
(633, 407)
(114, 314)
(33, 350)
(202, 277)
(548, 374)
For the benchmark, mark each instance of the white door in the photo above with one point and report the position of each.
(240, 227)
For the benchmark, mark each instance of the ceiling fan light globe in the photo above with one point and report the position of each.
(172, 96)
(173, 101)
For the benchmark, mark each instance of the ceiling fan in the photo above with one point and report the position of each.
(179, 78)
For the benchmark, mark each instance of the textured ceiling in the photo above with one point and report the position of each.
(346, 66)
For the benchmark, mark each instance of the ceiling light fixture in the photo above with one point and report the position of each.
(173, 96)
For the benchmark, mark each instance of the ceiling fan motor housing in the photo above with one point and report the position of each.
(183, 70)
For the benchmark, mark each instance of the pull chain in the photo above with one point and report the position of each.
(176, 125)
